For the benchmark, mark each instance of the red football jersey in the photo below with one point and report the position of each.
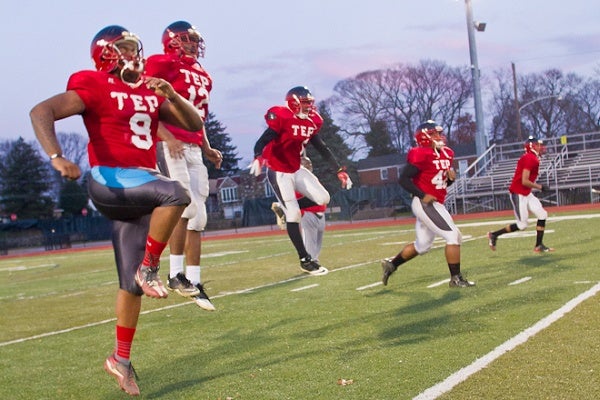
(527, 161)
(433, 170)
(121, 121)
(283, 153)
(188, 79)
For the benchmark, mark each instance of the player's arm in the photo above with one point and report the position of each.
(256, 166)
(43, 116)
(328, 155)
(527, 182)
(177, 111)
(325, 152)
(451, 177)
(267, 136)
(406, 181)
(213, 155)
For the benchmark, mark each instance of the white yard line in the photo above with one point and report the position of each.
(519, 281)
(305, 287)
(461, 375)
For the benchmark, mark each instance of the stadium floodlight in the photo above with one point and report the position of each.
(481, 141)
(480, 26)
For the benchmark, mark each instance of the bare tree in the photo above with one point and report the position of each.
(74, 147)
(401, 97)
(359, 100)
(551, 104)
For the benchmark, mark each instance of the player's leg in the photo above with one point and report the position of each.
(423, 236)
(129, 242)
(519, 205)
(308, 184)
(535, 206)
(199, 189)
(178, 169)
(284, 187)
(439, 221)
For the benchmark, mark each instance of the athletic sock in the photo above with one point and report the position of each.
(153, 251)
(124, 339)
(192, 272)
(175, 264)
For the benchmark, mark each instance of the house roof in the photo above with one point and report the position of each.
(388, 160)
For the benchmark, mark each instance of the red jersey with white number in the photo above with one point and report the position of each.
(190, 80)
(528, 161)
(121, 121)
(433, 170)
(283, 153)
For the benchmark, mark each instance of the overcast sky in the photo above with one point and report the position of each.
(258, 50)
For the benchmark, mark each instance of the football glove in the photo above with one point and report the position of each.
(344, 178)
(256, 166)
(545, 188)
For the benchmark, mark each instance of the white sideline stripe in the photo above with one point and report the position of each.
(440, 283)
(25, 268)
(305, 287)
(369, 286)
(461, 375)
(519, 281)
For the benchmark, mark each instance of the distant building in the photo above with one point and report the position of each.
(380, 170)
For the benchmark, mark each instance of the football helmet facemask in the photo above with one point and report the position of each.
(183, 40)
(429, 133)
(535, 146)
(301, 101)
(115, 48)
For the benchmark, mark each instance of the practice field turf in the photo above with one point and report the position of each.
(528, 330)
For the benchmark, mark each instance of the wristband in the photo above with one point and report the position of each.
(56, 155)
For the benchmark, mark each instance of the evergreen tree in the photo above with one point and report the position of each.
(329, 132)
(220, 140)
(24, 182)
(378, 140)
(73, 198)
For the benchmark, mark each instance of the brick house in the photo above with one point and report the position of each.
(380, 170)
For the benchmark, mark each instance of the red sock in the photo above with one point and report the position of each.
(124, 341)
(153, 251)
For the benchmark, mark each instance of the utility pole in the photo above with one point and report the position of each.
(517, 108)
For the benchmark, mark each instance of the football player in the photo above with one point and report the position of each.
(121, 109)
(181, 159)
(312, 223)
(290, 129)
(522, 198)
(426, 175)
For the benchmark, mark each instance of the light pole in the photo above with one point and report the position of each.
(551, 96)
(481, 141)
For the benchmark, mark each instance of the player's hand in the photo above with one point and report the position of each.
(256, 166)
(428, 199)
(545, 188)
(344, 178)
(452, 174)
(214, 156)
(175, 147)
(67, 169)
(160, 87)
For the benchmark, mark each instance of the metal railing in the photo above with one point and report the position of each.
(481, 187)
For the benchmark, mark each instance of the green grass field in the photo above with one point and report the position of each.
(278, 334)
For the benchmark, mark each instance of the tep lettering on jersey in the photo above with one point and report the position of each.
(121, 109)
(430, 164)
(179, 65)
